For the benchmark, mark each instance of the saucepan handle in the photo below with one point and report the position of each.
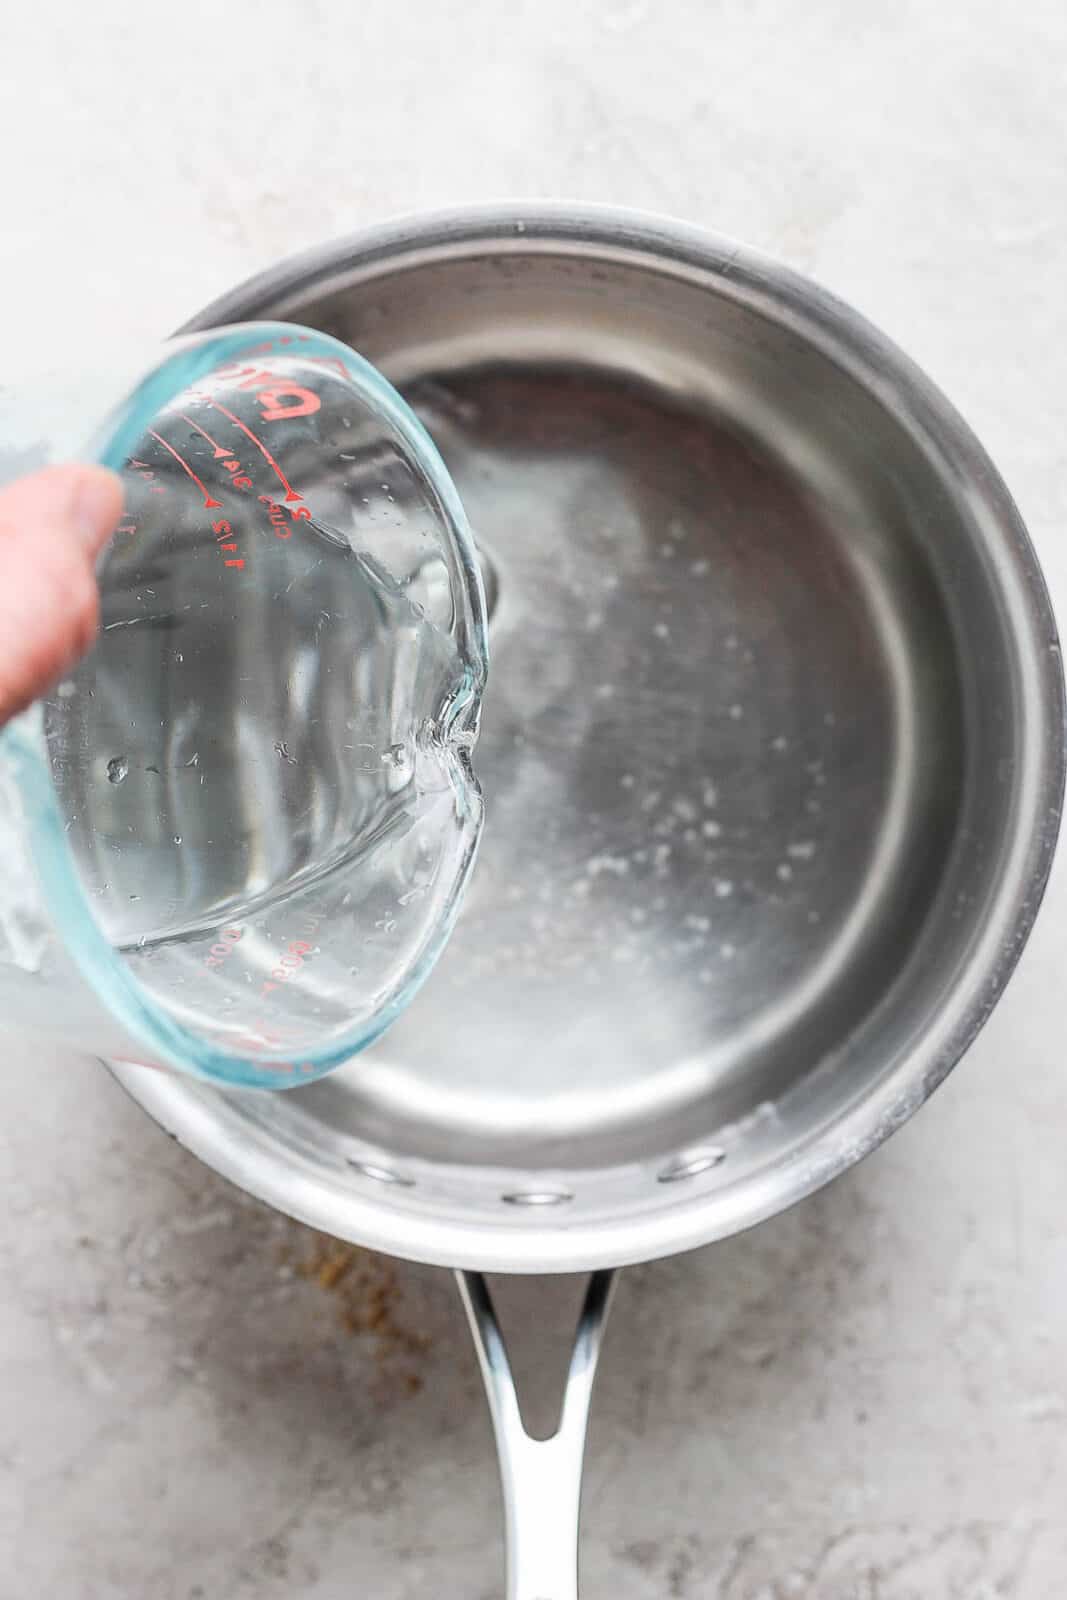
(541, 1478)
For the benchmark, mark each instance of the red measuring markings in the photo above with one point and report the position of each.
(219, 449)
(208, 498)
(222, 531)
(238, 477)
(290, 492)
(222, 951)
(298, 952)
(252, 1045)
(329, 361)
(128, 524)
(268, 345)
(277, 515)
(223, 453)
(268, 1034)
(143, 470)
(278, 397)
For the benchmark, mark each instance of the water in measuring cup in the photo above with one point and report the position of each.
(264, 765)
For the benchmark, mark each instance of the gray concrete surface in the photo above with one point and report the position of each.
(864, 1400)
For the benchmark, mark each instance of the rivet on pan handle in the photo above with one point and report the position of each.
(541, 1478)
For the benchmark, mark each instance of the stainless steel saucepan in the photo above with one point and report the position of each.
(773, 754)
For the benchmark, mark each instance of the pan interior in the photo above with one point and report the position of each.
(728, 747)
(721, 746)
(721, 759)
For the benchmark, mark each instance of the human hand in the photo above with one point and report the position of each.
(53, 525)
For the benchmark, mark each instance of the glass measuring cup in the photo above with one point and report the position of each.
(234, 840)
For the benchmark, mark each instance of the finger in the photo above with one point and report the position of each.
(52, 527)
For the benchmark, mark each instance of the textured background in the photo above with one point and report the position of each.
(866, 1399)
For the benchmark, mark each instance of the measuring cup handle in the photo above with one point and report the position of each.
(541, 1478)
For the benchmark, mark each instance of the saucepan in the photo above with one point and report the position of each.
(773, 755)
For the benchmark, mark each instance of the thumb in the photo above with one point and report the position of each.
(53, 525)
